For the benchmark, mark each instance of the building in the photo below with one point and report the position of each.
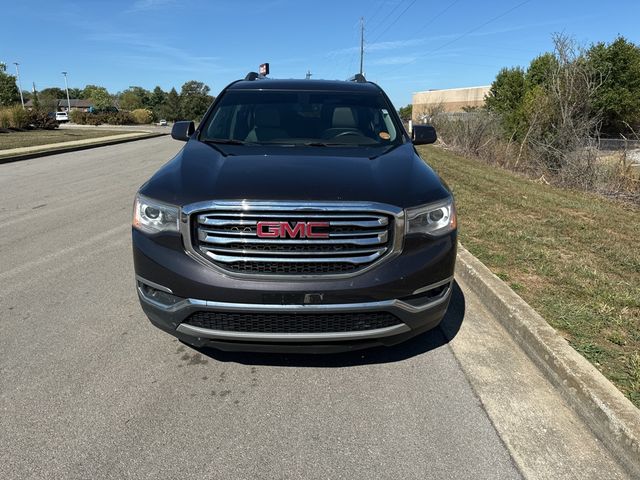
(62, 105)
(447, 100)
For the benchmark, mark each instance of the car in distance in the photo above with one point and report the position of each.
(62, 116)
(298, 217)
(162, 123)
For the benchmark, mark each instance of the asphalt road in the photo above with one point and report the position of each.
(90, 389)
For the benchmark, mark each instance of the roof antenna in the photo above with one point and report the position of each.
(308, 77)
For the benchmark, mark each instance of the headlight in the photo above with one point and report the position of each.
(152, 216)
(434, 219)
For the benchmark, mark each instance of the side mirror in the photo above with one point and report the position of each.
(423, 134)
(182, 130)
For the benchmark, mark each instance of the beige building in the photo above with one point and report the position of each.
(450, 100)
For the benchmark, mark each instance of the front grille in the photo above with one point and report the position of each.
(354, 240)
(308, 268)
(292, 322)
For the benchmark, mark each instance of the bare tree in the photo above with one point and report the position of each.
(563, 125)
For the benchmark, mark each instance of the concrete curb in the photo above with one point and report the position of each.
(609, 414)
(75, 148)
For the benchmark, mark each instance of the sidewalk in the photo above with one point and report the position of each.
(23, 153)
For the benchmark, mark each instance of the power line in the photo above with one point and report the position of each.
(438, 15)
(463, 35)
(378, 10)
(394, 22)
(391, 13)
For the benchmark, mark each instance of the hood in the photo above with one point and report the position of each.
(200, 172)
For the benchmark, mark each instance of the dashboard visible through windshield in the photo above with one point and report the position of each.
(320, 118)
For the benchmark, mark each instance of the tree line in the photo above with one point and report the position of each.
(189, 104)
(606, 84)
(549, 118)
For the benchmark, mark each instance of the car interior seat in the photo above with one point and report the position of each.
(267, 126)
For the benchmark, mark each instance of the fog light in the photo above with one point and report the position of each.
(158, 296)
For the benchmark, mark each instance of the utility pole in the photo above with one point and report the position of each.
(308, 77)
(19, 85)
(66, 87)
(361, 43)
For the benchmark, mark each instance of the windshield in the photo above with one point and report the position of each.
(302, 118)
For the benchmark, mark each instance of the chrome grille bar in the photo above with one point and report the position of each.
(226, 235)
(354, 260)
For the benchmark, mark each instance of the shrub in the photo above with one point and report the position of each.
(4, 118)
(18, 117)
(79, 117)
(142, 116)
(118, 118)
(40, 119)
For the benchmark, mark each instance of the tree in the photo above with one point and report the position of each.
(53, 92)
(75, 93)
(35, 99)
(99, 96)
(540, 71)
(170, 108)
(134, 98)
(562, 119)
(505, 97)
(194, 99)
(619, 96)
(9, 93)
(405, 113)
(157, 98)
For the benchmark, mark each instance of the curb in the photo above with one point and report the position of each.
(609, 414)
(75, 148)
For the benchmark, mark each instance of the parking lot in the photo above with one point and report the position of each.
(90, 389)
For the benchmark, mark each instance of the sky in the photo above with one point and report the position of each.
(410, 45)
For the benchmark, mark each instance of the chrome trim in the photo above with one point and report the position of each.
(292, 337)
(155, 285)
(352, 260)
(378, 222)
(385, 305)
(304, 208)
(253, 237)
(318, 253)
(433, 285)
(381, 238)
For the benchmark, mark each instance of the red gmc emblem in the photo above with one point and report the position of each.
(285, 229)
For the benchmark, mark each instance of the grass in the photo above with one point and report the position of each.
(573, 256)
(44, 137)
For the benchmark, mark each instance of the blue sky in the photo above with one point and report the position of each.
(411, 45)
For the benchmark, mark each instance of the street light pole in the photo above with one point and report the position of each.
(66, 87)
(19, 85)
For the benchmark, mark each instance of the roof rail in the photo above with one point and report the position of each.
(251, 76)
(358, 78)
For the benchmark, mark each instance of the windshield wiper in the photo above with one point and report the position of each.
(387, 149)
(227, 141)
(327, 144)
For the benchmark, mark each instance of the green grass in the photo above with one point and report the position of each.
(45, 137)
(573, 256)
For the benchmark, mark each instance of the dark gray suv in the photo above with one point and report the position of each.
(297, 217)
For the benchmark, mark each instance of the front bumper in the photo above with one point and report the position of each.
(402, 287)
(170, 314)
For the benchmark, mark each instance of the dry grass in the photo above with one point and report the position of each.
(573, 256)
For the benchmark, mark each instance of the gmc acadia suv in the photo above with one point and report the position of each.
(297, 217)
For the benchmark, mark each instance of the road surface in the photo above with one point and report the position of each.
(90, 389)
